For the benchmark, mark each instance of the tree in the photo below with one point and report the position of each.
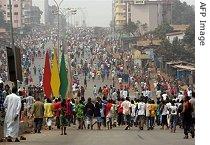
(163, 29)
(130, 28)
(182, 13)
(189, 37)
(144, 27)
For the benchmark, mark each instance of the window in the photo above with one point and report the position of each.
(15, 21)
(15, 13)
(8, 13)
(16, 5)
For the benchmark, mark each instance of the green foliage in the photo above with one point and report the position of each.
(130, 28)
(163, 29)
(189, 38)
(182, 13)
(175, 51)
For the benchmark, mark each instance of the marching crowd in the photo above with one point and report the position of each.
(130, 100)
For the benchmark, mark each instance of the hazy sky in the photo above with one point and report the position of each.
(98, 12)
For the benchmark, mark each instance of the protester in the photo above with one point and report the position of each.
(48, 113)
(152, 110)
(187, 118)
(127, 112)
(89, 112)
(97, 113)
(109, 114)
(12, 106)
(38, 113)
(80, 114)
(141, 113)
(63, 117)
(173, 116)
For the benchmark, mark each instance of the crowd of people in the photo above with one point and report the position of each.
(128, 94)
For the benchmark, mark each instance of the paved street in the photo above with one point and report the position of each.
(116, 136)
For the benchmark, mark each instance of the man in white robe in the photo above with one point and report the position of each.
(12, 106)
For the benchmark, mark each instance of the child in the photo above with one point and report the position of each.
(63, 120)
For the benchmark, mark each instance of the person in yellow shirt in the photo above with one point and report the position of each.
(152, 110)
(48, 113)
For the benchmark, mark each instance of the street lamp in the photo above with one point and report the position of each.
(58, 7)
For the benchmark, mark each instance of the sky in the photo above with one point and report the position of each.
(98, 12)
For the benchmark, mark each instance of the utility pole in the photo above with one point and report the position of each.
(12, 40)
(58, 7)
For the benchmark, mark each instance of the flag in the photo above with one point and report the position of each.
(47, 76)
(63, 77)
(55, 79)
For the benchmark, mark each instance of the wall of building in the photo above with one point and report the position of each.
(171, 38)
(26, 8)
(119, 13)
(140, 13)
(150, 13)
(154, 18)
(20, 11)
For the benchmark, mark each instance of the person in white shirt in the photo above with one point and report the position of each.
(168, 104)
(173, 116)
(133, 112)
(12, 104)
(94, 91)
(127, 111)
(164, 96)
(29, 103)
(148, 114)
(164, 110)
(120, 80)
(141, 113)
(125, 93)
(180, 96)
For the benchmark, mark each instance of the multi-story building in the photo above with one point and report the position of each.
(119, 10)
(16, 12)
(46, 12)
(149, 13)
(35, 15)
(26, 12)
(20, 12)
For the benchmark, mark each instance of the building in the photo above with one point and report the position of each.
(46, 12)
(178, 31)
(16, 11)
(53, 15)
(26, 12)
(35, 15)
(20, 12)
(150, 13)
(119, 13)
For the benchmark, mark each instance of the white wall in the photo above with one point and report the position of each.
(150, 14)
(140, 12)
(171, 38)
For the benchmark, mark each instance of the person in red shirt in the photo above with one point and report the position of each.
(57, 107)
(108, 114)
(120, 119)
(68, 111)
